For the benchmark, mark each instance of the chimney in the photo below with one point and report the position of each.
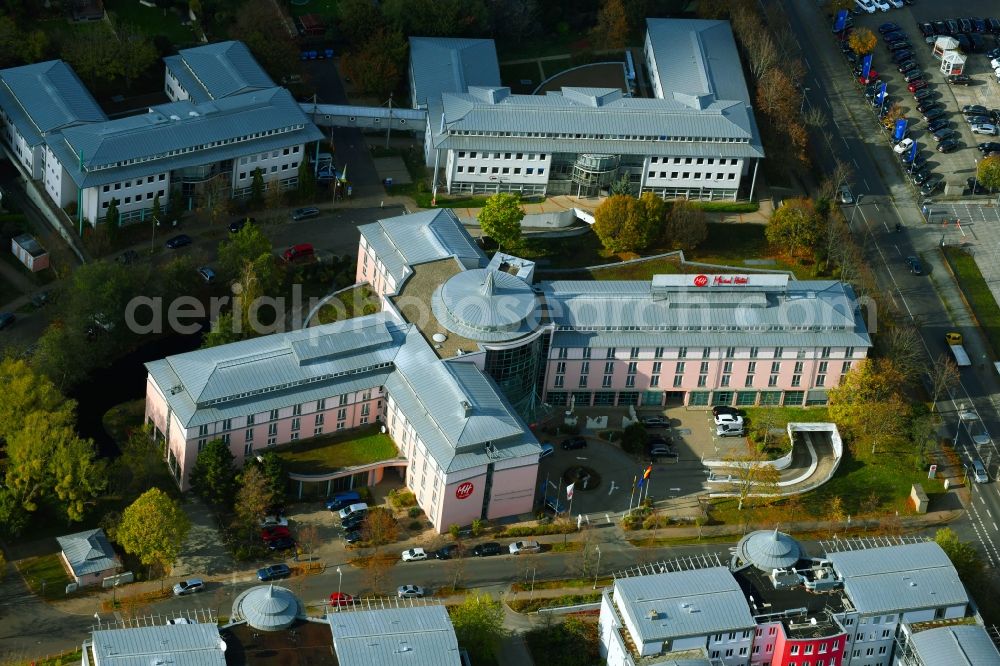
(466, 408)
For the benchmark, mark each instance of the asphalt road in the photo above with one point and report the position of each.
(927, 300)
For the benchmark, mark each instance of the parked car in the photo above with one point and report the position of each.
(654, 422)
(729, 430)
(729, 419)
(574, 443)
(984, 128)
(978, 120)
(414, 555)
(964, 25)
(342, 500)
(178, 241)
(127, 257)
(931, 185)
(903, 146)
(207, 274)
(907, 66)
(304, 213)
(448, 552)
(934, 114)
(867, 6)
(975, 110)
(927, 105)
(844, 195)
(947, 146)
(281, 543)
(926, 29)
(234, 227)
(273, 572)
(190, 586)
(274, 532)
(547, 450)
(923, 94)
(914, 265)
(352, 537)
(273, 521)
(7, 319)
(988, 147)
(888, 27)
(487, 549)
(944, 133)
(902, 56)
(978, 24)
(953, 28)
(341, 599)
(659, 449)
(519, 547)
(976, 43)
(410, 592)
(920, 176)
(359, 508)
(959, 80)
(993, 25)
(916, 85)
(913, 75)
(941, 28)
(300, 252)
(352, 523)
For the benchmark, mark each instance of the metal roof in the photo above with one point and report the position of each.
(196, 134)
(960, 645)
(486, 305)
(899, 578)
(677, 604)
(217, 70)
(44, 97)
(416, 636)
(595, 146)
(88, 552)
(447, 64)
(697, 60)
(268, 607)
(417, 238)
(769, 550)
(196, 644)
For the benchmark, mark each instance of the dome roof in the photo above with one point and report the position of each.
(486, 305)
(769, 550)
(268, 607)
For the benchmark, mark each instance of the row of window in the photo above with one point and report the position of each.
(680, 366)
(697, 175)
(251, 159)
(598, 137)
(696, 160)
(139, 181)
(528, 171)
(301, 382)
(138, 198)
(706, 352)
(503, 156)
(274, 169)
(654, 381)
(190, 149)
(273, 415)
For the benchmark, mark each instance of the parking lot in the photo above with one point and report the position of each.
(954, 168)
(692, 433)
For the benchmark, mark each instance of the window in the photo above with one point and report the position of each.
(559, 381)
(820, 380)
(809, 649)
(585, 367)
(727, 366)
(657, 366)
(658, 353)
(881, 650)
(247, 448)
(563, 352)
(794, 650)
(634, 352)
(319, 419)
(295, 424)
(796, 380)
(202, 430)
(776, 366)
(654, 380)
(730, 352)
(779, 352)
(678, 380)
(682, 352)
(798, 366)
(729, 652)
(772, 380)
(609, 367)
(748, 381)
(274, 414)
(706, 352)
(680, 367)
(752, 367)
(630, 381)
(611, 352)
(823, 365)
(201, 444)
(633, 367)
(272, 429)
(248, 435)
(297, 410)
(343, 399)
(321, 404)
(849, 352)
(583, 381)
(560, 367)
(702, 381)
(606, 382)
(704, 367)
(726, 380)
(366, 409)
(317, 431)
(754, 351)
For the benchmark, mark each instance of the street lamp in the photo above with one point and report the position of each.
(340, 580)
(802, 105)
(152, 241)
(597, 571)
(857, 204)
(975, 178)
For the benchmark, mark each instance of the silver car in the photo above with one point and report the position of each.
(410, 592)
(189, 587)
(845, 195)
(984, 128)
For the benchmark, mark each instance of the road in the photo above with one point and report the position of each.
(931, 301)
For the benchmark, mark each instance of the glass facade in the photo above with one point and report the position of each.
(794, 398)
(515, 370)
(722, 398)
(770, 398)
(746, 398)
(698, 398)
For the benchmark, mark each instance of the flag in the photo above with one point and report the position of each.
(569, 491)
(841, 21)
(900, 129)
(343, 174)
(866, 66)
(645, 476)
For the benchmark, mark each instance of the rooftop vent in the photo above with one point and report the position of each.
(653, 614)
(193, 114)
(174, 117)
(466, 408)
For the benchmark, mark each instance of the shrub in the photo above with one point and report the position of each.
(455, 530)
(635, 438)
(414, 511)
(400, 499)
(416, 525)
(478, 526)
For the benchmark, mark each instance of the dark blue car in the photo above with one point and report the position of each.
(273, 572)
(179, 241)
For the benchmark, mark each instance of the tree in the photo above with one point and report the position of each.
(623, 223)
(223, 332)
(157, 213)
(815, 117)
(253, 498)
(93, 51)
(63, 356)
(274, 469)
(883, 420)
(892, 114)
(213, 477)
(78, 476)
(111, 216)
(760, 50)
(862, 41)
(379, 527)
(9, 38)
(621, 186)
(217, 200)
(257, 189)
(13, 518)
(777, 96)
(611, 31)
(905, 348)
(23, 391)
(840, 5)
(357, 19)
(34, 46)
(686, 227)
(988, 172)
(377, 66)
(247, 246)
(963, 556)
(869, 381)
(153, 528)
(501, 218)
(260, 26)
(479, 626)
(750, 474)
(309, 538)
(307, 181)
(634, 439)
(794, 226)
(136, 52)
(944, 376)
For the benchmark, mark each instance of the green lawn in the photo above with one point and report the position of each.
(643, 270)
(333, 452)
(151, 20)
(977, 293)
(513, 74)
(553, 67)
(784, 415)
(350, 304)
(732, 243)
(47, 569)
(325, 8)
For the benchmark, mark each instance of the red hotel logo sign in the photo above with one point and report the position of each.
(722, 280)
(464, 490)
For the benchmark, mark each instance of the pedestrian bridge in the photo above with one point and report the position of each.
(366, 117)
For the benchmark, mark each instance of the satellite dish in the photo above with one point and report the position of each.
(439, 337)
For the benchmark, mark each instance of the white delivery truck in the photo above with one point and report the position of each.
(954, 341)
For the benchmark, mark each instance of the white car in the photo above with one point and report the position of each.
(409, 592)
(414, 555)
(729, 430)
(274, 521)
(845, 195)
(903, 146)
(519, 547)
(995, 63)
(984, 128)
(979, 472)
(881, 4)
(866, 6)
(732, 420)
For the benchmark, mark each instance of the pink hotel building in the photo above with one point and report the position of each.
(466, 348)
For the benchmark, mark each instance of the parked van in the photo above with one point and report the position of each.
(359, 508)
(300, 252)
(304, 213)
(343, 500)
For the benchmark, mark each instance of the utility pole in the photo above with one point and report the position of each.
(388, 125)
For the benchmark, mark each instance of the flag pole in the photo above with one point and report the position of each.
(632, 496)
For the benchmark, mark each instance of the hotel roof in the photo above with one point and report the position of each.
(416, 636)
(677, 604)
(959, 645)
(176, 644)
(88, 552)
(448, 64)
(217, 70)
(44, 97)
(905, 577)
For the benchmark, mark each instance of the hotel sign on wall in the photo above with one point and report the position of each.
(464, 490)
(702, 281)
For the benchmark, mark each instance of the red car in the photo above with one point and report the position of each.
(274, 532)
(916, 85)
(341, 599)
